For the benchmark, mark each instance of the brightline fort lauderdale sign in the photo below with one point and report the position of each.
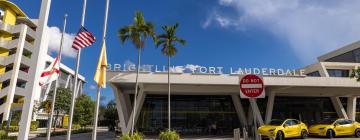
(195, 69)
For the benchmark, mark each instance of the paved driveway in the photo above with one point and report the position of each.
(104, 135)
(84, 136)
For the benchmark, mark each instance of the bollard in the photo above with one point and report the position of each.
(237, 134)
(245, 134)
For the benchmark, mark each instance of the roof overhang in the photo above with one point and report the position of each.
(13, 6)
(339, 51)
(228, 84)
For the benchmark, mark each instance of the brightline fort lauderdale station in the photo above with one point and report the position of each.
(205, 96)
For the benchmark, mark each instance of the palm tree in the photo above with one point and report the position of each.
(137, 32)
(168, 41)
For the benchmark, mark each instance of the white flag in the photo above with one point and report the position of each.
(51, 73)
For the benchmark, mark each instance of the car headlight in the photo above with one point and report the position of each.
(322, 128)
(272, 130)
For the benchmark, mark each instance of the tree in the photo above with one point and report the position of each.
(137, 33)
(356, 74)
(62, 104)
(84, 110)
(169, 41)
(110, 115)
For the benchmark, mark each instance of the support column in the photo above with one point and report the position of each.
(239, 110)
(351, 108)
(68, 81)
(79, 84)
(122, 112)
(15, 73)
(269, 107)
(255, 108)
(127, 101)
(339, 108)
(38, 64)
(250, 118)
(139, 103)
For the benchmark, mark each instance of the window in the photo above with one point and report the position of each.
(348, 121)
(357, 55)
(290, 122)
(341, 122)
(296, 121)
(314, 74)
(338, 73)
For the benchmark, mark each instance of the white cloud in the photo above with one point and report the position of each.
(55, 39)
(92, 87)
(311, 27)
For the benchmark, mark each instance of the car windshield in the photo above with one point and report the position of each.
(276, 122)
(327, 121)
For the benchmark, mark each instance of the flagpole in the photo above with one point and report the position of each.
(99, 88)
(96, 112)
(76, 78)
(48, 135)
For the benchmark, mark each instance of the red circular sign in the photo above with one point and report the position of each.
(251, 86)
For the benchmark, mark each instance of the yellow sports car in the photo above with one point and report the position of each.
(336, 127)
(281, 129)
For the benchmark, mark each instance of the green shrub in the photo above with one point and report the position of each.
(14, 128)
(169, 135)
(135, 136)
(3, 134)
(34, 125)
(76, 126)
(3, 125)
(59, 133)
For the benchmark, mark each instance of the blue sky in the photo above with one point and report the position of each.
(228, 33)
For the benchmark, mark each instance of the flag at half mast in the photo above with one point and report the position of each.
(83, 39)
(51, 73)
(100, 74)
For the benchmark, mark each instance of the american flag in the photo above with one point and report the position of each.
(83, 39)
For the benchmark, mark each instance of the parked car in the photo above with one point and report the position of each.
(336, 127)
(282, 129)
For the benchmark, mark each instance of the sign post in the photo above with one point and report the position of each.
(251, 87)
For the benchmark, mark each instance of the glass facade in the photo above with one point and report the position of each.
(314, 74)
(351, 56)
(216, 115)
(338, 73)
(307, 109)
(191, 115)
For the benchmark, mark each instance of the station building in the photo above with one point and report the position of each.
(17, 37)
(323, 90)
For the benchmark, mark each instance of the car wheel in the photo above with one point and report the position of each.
(330, 134)
(279, 135)
(304, 134)
(357, 133)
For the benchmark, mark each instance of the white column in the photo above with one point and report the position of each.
(127, 102)
(351, 107)
(255, 108)
(323, 71)
(15, 72)
(78, 88)
(269, 107)
(40, 50)
(339, 107)
(239, 109)
(139, 103)
(68, 81)
(121, 108)
(81, 88)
